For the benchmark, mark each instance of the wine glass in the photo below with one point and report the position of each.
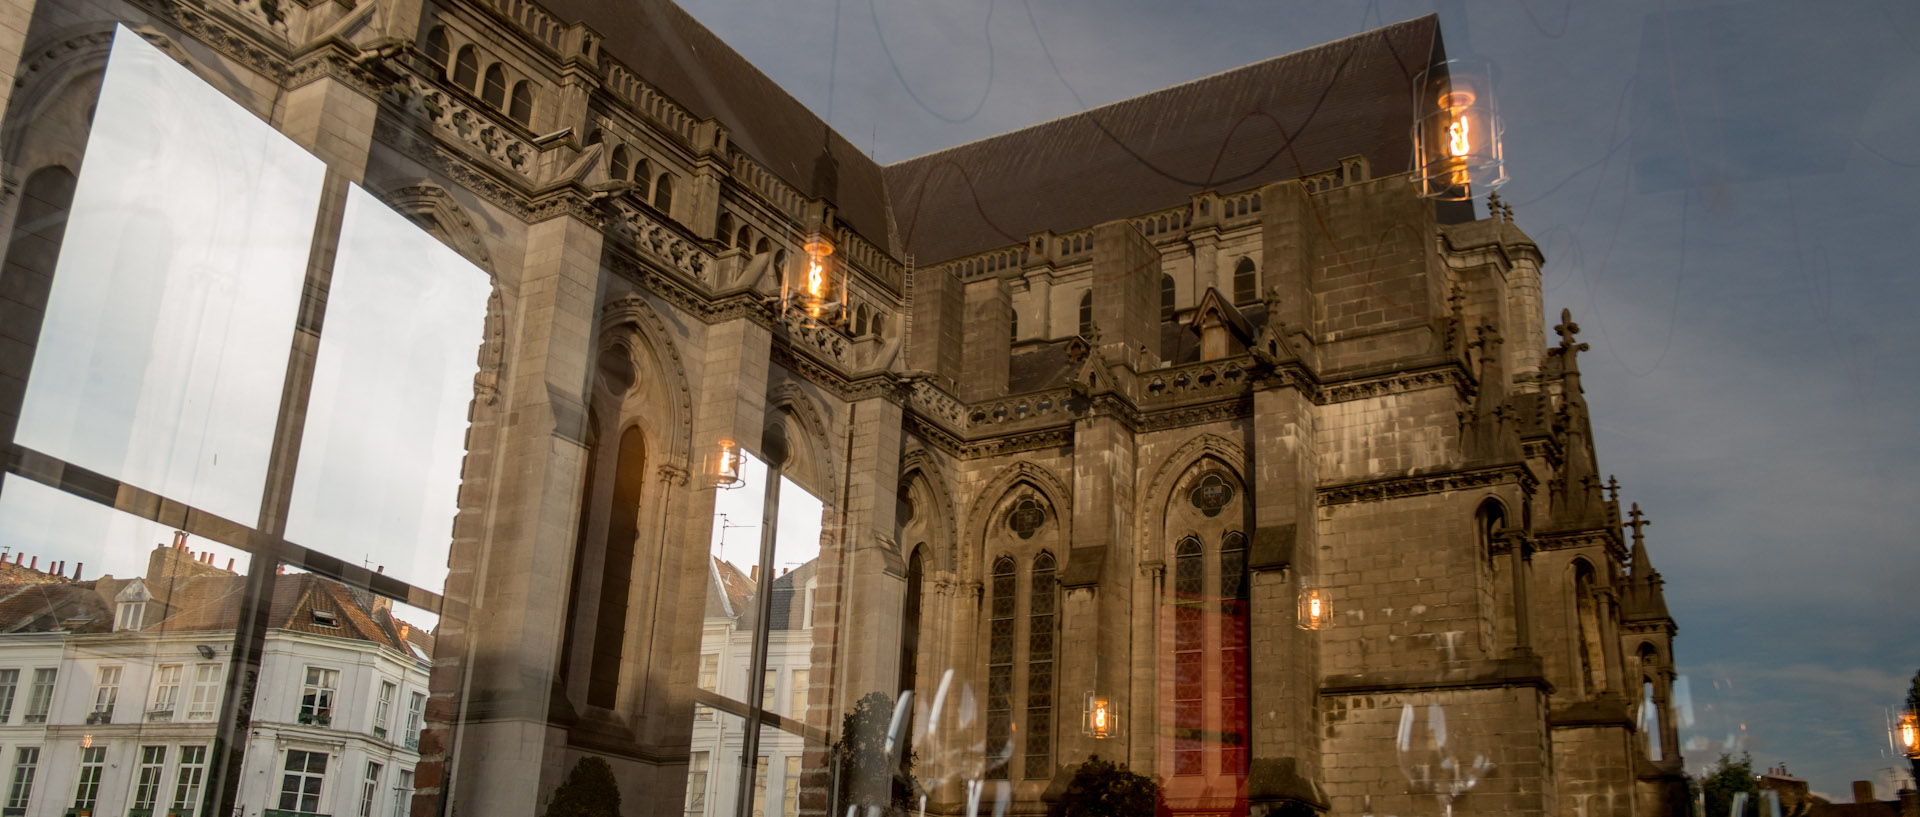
(1436, 760)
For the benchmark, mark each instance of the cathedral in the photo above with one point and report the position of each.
(1233, 460)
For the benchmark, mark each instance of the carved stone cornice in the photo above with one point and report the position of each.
(1396, 383)
(1373, 490)
(238, 43)
(566, 203)
(389, 130)
(1602, 538)
(333, 62)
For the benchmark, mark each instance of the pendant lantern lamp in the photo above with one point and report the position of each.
(1457, 130)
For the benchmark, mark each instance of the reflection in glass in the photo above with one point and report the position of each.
(379, 465)
(162, 356)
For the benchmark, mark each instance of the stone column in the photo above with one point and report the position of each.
(1284, 660)
(524, 560)
(1097, 579)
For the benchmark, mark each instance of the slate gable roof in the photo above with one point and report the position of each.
(1230, 131)
(1273, 120)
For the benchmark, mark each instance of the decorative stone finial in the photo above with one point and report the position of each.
(1639, 521)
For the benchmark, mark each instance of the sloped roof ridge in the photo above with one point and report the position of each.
(1170, 89)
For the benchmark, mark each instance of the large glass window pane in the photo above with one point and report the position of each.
(163, 352)
(380, 459)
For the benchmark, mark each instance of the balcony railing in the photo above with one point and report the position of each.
(160, 715)
(315, 719)
(99, 716)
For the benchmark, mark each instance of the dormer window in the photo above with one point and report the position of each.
(326, 618)
(129, 616)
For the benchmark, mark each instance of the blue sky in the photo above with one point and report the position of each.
(1725, 193)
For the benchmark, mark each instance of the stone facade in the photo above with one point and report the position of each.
(1115, 448)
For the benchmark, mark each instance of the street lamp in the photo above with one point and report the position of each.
(1908, 732)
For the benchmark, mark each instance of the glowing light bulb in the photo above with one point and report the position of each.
(1457, 139)
(1910, 732)
(726, 469)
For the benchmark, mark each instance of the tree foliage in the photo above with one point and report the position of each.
(588, 791)
(868, 776)
(1727, 778)
(1101, 788)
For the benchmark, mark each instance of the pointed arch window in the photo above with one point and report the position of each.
(1590, 663)
(1244, 282)
(620, 166)
(1233, 654)
(520, 106)
(1189, 654)
(437, 49)
(1168, 291)
(1013, 326)
(1086, 315)
(1000, 669)
(493, 91)
(1041, 604)
(663, 194)
(910, 621)
(466, 67)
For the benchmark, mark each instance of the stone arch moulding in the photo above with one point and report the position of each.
(918, 459)
(632, 312)
(1150, 517)
(980, 512)
(50, 67)
(435, 210)
(790, 398)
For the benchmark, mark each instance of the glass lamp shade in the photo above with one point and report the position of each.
(1099, 716)
(1909, 733)
(1314, 612)
(1457, 131)
(814, 289)
(726, 465)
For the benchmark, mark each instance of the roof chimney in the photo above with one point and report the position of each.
(1863, 791)
(76, 570)
(229, 564)
(753, 573)
(35, 564)
(180, 539)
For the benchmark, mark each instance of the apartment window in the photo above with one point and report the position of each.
(41, 698)
(9, 682)
(383, 708)
(709, 681)
(416, 710)
(790, 788)
(800, 680)
(193, 772)
(403, 793)
(206, 692)
(370, 790)
(760, 787)
(93, 760)
(106, 693)
(316, 697)
(129, 615)
(305, 773)
(697, 785)
(146, 782)
(768, 683)
(26, 760)
(166, 692)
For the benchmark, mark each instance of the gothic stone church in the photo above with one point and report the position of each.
(1244, 466)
